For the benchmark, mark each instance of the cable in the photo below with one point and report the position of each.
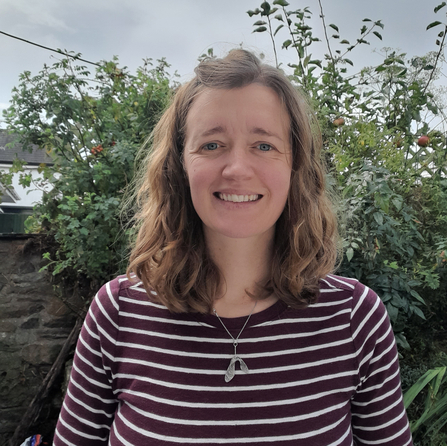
(50, 49)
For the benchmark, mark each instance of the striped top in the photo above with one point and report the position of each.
(324, 375)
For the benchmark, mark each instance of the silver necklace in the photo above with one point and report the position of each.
(231, 370)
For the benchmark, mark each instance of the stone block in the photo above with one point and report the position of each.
(7, 326)
(42, 352)
(30, 323)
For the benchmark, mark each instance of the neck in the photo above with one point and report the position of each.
(243, 263)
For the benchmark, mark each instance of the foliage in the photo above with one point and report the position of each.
(393, 222)
(433, 386)
(92, 126)
(393, 192)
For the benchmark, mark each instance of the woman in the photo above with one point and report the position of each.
(235, 332)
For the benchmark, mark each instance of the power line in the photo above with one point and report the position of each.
(50, 49)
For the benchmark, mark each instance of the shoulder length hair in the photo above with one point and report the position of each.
(170, 256)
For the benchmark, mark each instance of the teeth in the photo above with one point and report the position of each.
(238, 198)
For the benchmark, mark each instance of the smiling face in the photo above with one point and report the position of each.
(238, 160)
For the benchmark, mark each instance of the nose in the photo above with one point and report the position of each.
(238, 164)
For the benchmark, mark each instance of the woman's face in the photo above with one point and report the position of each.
(238, 160)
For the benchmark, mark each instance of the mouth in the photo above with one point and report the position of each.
(237, 198)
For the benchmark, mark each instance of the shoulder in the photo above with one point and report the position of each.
(333, 286)
(113, 296)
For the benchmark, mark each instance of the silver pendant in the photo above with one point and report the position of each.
(231, 371)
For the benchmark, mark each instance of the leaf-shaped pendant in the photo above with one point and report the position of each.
(231, 370)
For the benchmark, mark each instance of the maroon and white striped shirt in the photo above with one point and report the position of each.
(324, 375)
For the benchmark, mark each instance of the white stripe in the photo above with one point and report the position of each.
(267, 354)
(62, 438)
(91, 394)
(104, 312)
(87, 345)
(165, 320)
(86, 406)
(300, 366)
(226, 341)
(112, 299)
(379, 386)
(90, 380)
(145, 302)
(106, 334)
(172, 385)
(341, 439)
(302, 320)
(366, 319)
(381, 426)
(90, 331)
(86, 361)
(80, 433)
(380, 412)
(84, 421)
(331, 303)
(338, 279)
(384, 440)
(360, 301)
(210, 405)
(254, 422)
(379, 398)
(274, 439)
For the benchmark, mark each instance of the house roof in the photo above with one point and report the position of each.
(8, 154)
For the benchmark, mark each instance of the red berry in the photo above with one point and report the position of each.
(423, 141)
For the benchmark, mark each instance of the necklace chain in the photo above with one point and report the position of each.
(229, 375)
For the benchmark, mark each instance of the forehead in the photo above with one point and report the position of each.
(253, 105)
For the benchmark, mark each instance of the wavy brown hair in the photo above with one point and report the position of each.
(170, 254)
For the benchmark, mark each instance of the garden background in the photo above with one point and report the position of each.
(384, 138)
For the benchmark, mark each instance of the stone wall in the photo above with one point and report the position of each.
(34, 323)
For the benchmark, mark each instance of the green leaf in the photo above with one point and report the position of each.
(261, 29)
(334, 27)
(286, 43)
(277, 29)
(344, 41)
(416, 295)
(349, 254)
(252, 13)
(349, 61)
(282, 3)
(439, 6)
(315, 62)
(366, 20)
(259, 23)
(418, 312)
(378, 217)
(419, 385)
(433, 24)
(84, 231)
(266, 8)
(402, 341)
(377, 35)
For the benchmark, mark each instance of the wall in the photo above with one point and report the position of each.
(34, 323)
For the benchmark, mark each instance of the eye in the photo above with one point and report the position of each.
(211, 146)
(265, 147)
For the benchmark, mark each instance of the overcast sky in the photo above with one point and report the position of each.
(182, 30)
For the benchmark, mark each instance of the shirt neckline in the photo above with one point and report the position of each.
(236, 323)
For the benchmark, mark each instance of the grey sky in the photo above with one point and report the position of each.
(181, 30)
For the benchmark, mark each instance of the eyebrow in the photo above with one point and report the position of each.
(254, 130)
